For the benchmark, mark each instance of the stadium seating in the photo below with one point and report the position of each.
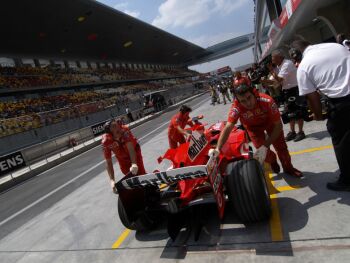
(29, 77)
(22, 115)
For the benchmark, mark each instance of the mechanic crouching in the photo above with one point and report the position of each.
(119, 140)
(258, 113)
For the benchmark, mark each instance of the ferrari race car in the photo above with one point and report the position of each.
(233, 179)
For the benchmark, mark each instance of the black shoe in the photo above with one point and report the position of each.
(291, 136)
(338, 186)
(300, 136)
(275, 167)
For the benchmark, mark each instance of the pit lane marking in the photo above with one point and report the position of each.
(312, 150)
(275, 220)
(287, 188)
(121, 238)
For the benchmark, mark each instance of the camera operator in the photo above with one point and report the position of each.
(286, 76)
(260, 79)
(326, 67)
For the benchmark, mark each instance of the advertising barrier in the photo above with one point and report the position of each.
(11, 162)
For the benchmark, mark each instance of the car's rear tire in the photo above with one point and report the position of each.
(247, 190)
(142, 222)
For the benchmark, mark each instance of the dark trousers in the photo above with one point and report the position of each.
(338, 126)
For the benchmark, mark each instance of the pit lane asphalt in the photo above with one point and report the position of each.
(79, 222)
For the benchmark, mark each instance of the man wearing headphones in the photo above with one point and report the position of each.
(325, 68)
(259, 113)
(119, 140)
(285, 74)
(176, 131)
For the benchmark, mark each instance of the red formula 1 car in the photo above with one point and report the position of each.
(234, 178)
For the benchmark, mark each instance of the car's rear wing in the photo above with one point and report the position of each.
(166, 177)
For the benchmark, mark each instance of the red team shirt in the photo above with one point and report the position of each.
(118, 147)
(176, 121)
(264, 113)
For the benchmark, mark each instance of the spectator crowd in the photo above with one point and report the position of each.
(42, 109)
(29, 77)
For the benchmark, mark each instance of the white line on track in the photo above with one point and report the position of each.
(165, 123)
(49, 194)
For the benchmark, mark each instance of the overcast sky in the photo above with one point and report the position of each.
(203, 22)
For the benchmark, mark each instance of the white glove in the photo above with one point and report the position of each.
(112, 183)
(213, 152)
(113, 186)
(134, 169)
(260, 154)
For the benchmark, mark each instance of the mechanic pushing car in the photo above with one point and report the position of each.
(119, 140)
(176, 131)
(259, 113)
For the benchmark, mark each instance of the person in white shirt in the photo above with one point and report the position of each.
(326, 68)
(342, 40)
(286, 75)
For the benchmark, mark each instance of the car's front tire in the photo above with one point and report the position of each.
(247, 190)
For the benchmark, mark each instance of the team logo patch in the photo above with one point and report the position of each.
(248, 115)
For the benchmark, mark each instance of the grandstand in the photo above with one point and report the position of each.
(68, 75)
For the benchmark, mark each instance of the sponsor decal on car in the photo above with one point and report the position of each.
(217, 184)
(197, 144)
(167, 177)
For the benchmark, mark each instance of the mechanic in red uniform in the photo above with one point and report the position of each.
(259, 113)
(119, 140)
(239, 80)
(176, 131)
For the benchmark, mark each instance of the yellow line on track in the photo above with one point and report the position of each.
(275, 221)
(121, 238)
(287, 188)
(312, 150)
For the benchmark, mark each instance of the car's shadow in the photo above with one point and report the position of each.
(318, 135)
(317, 182)
(229, 234)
